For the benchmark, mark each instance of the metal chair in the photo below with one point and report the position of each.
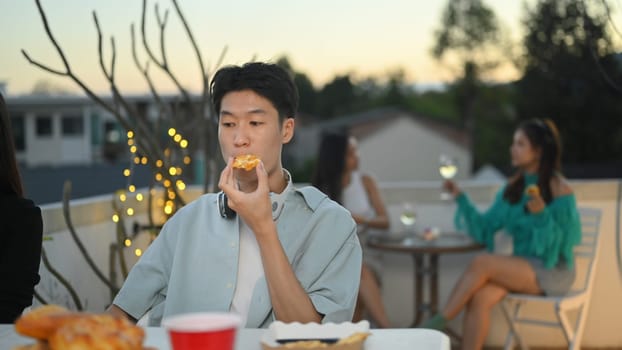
(578, 298)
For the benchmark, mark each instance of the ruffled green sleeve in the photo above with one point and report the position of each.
(482, 227)
(555, 231)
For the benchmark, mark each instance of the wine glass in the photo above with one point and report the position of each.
(408, 216)
(448, 168)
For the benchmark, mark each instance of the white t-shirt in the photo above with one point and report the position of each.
(250, 266)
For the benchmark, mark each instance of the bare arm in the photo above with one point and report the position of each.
(290, 301)
(381, 220)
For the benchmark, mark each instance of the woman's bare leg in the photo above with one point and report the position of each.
(476, 321)
(370, 296)
(509, 272)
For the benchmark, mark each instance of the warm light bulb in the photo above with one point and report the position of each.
(187, 160)
(138, 252)
(167, 152)
(172, 132)
(167, 183)
(127, 242)
(130, 142)
(171, 195)
(158, 177)
(168, 209)
(133, 149)
(139, 197)
(172, 170)
(130, 134)
(143, 160)
(115, 218)
(126, 172)
(183, 143)
(130, 211)
(159, 163)
(122, 197)
(178, 170)
(136, 160)
(132, 188)
(180, 185)
(177, 138)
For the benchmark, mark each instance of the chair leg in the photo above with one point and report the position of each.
(512, 327)
(573, 336)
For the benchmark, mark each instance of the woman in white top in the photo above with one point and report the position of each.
(336, 174)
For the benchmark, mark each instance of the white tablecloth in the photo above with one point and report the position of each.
(249, 339)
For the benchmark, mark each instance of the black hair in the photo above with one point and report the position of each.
(10, 180)
(543, 135)
(330, 164)
(265, 79)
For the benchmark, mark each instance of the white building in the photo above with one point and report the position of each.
(394, 145)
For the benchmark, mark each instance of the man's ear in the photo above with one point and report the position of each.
(287, 130)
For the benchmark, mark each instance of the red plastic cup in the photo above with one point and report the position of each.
(202, 330)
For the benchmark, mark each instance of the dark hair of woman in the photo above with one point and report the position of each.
(542, 135)
(332, 157)
(10, 181)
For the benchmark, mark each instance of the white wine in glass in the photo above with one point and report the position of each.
(408, 216)
(448, 168)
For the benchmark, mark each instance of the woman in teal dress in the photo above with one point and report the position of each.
(543, 222)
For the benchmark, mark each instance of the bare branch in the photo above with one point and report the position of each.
(42, 66)
(197, 52)
(62, 280)
(162, 26)
(78, 241)
(51, 36)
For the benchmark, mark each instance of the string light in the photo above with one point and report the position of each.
(158, 177)
(139, 197)
(172, 132)
(136, 160)
(132, 188)
(171, 195)
(138, 252)
(143, 160)
(115, 218)
(133, 149)
(180, 185)
(167, 152)
(159, 163)
(130, 134)
(130, 211)
(187, 160)
(126, 172)
(177, 138)
(122, 197)
(183, 143)
(168, 209)
(172, 171)
(167, 183)
(178, 170)
(130, 142)
(127, 242)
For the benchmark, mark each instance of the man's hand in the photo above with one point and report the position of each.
(253, 207)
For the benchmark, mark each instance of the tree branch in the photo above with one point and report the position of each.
(61, 279)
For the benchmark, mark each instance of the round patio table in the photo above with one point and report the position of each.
(425, 254)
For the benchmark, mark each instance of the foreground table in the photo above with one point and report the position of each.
(249, 339)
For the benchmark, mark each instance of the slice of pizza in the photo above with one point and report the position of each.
(246, 162)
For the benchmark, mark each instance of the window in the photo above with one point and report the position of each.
(73, 125)
(44, 125)
(19, 132)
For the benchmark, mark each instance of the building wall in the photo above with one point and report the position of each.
(405, 150)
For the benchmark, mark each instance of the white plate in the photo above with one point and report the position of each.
(296, 330)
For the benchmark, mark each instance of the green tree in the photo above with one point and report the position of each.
(568, 69)
(469, 31)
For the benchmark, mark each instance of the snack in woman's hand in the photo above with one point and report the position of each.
(533, 190)
(246, 162)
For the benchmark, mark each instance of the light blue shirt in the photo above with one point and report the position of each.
(192, 265)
